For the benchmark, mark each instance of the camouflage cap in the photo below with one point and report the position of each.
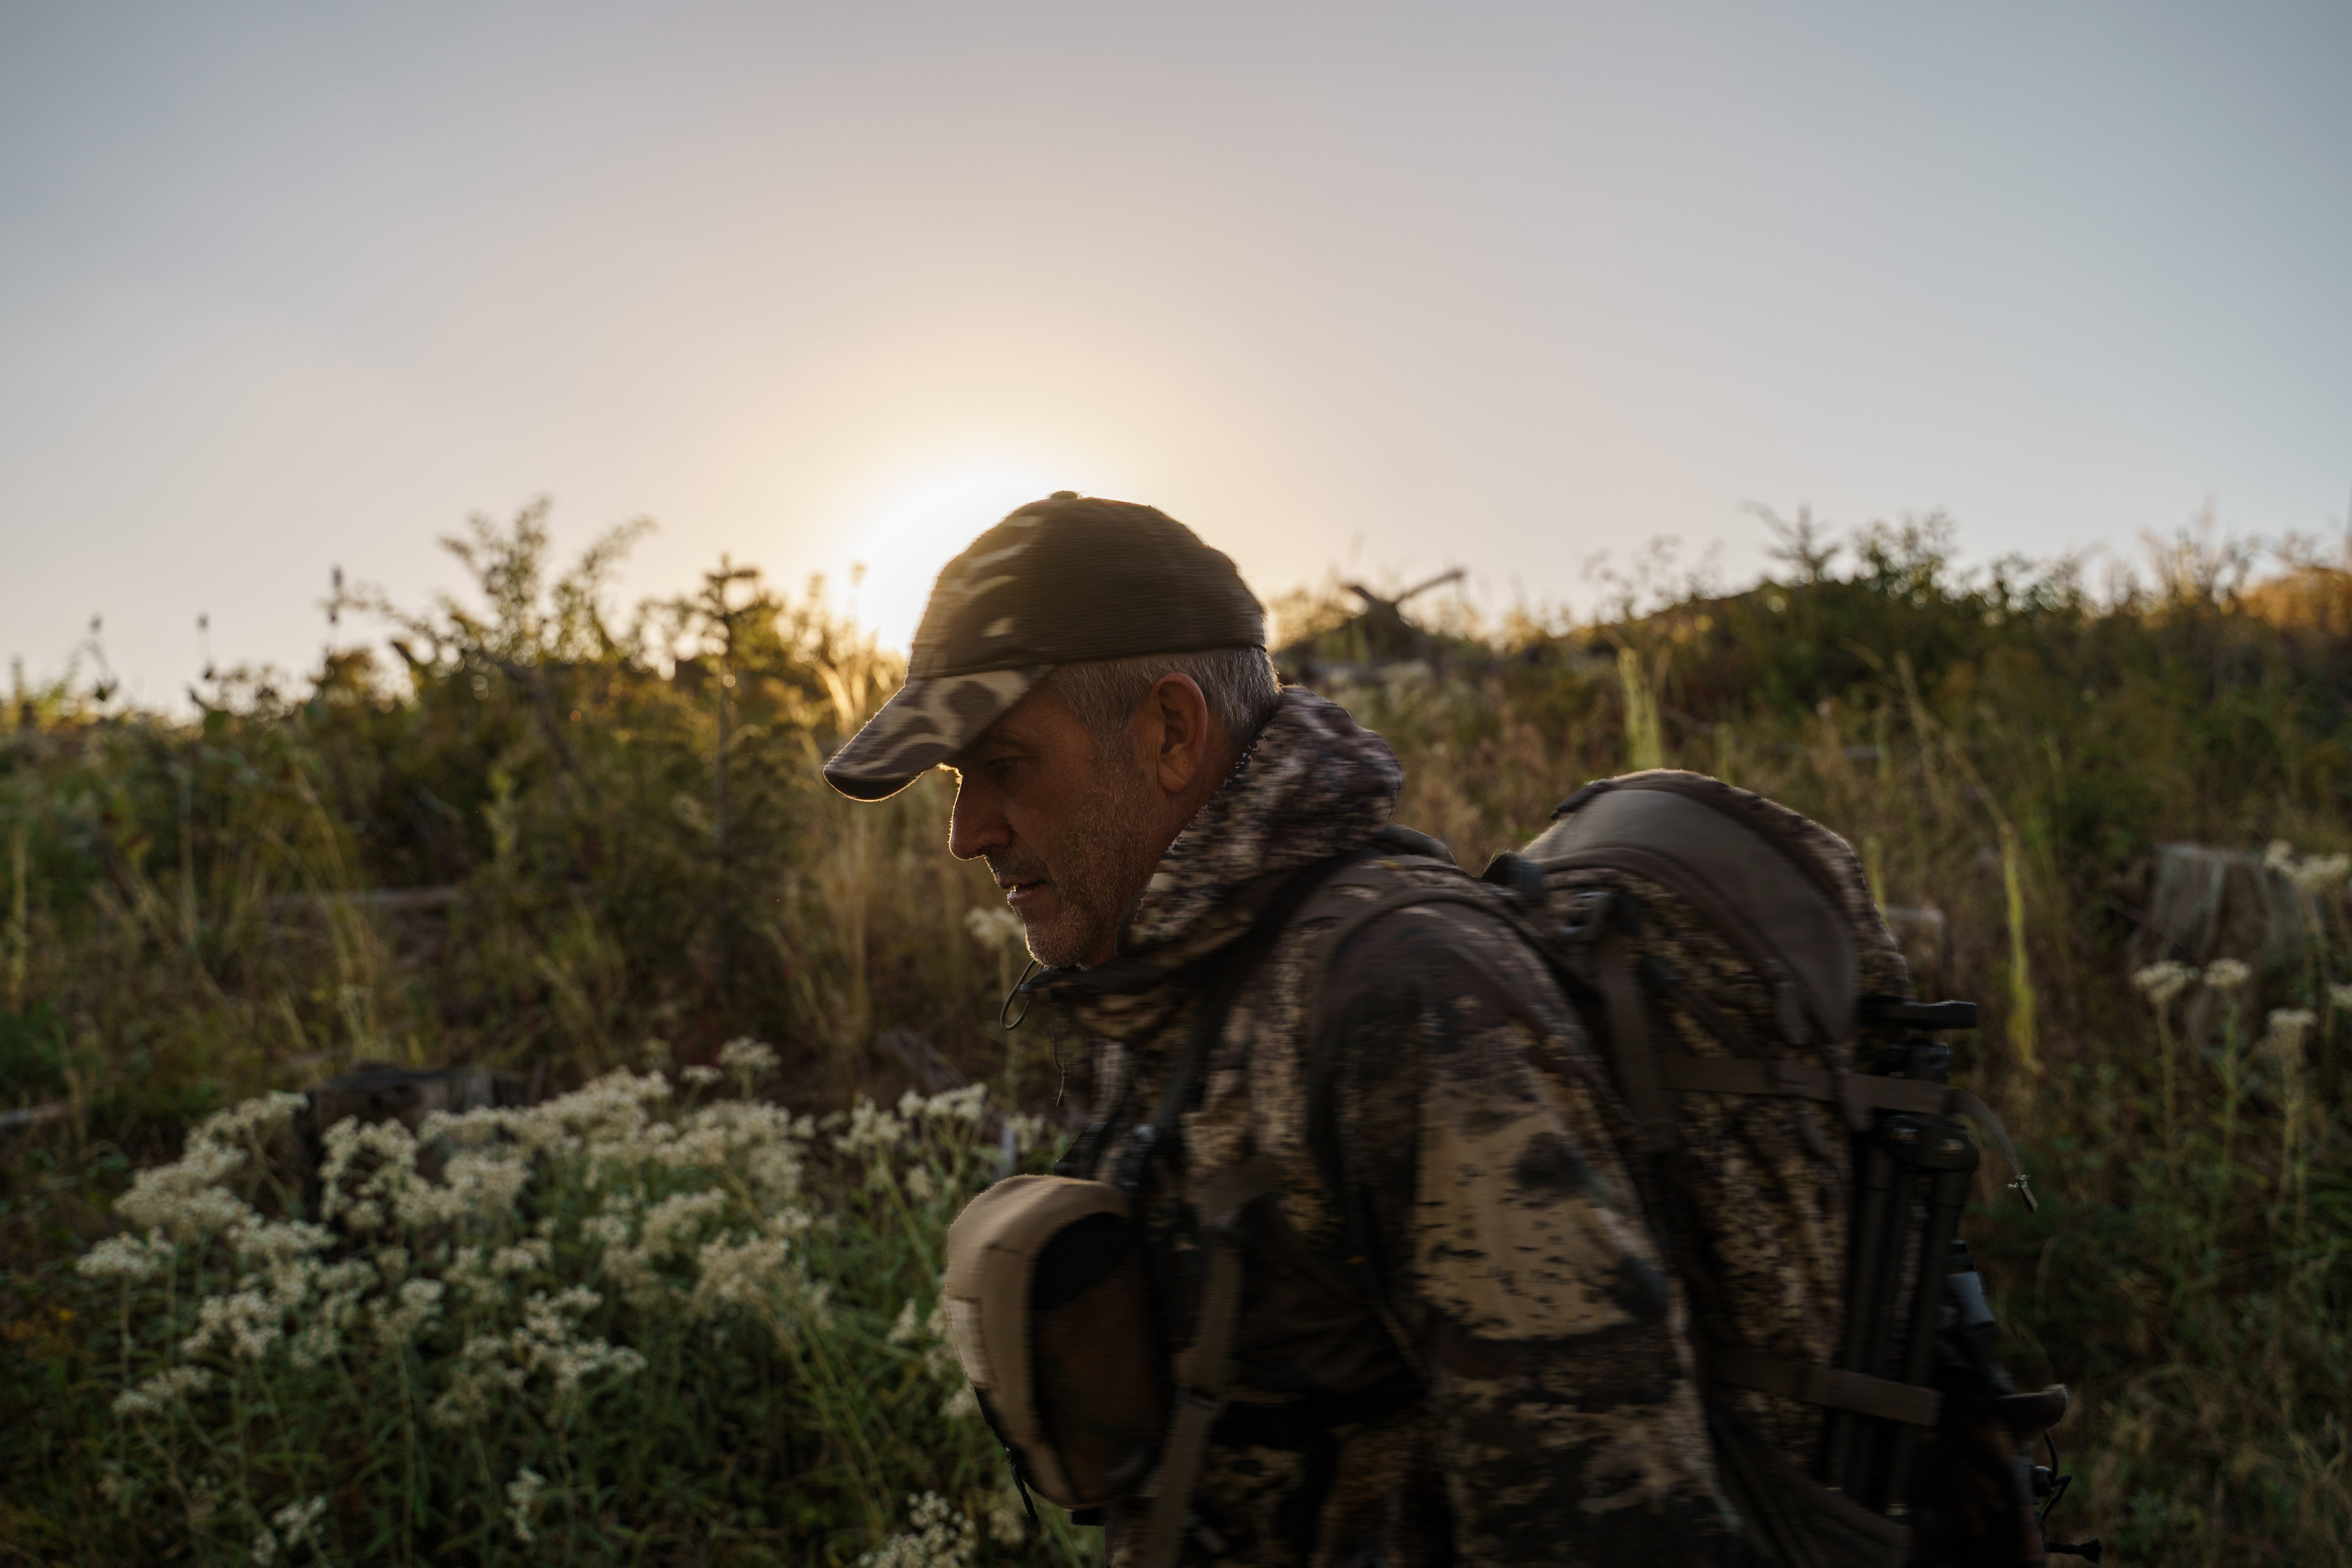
(1065, 580)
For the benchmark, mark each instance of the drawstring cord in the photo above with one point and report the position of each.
(1004, 1015)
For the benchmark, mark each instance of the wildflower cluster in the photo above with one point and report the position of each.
(523, 1305)
(2161, 984)
(2316, 875)
(943, 1537)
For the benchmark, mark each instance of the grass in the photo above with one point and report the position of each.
(616, 856)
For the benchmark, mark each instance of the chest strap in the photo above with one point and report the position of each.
(1207, 1367)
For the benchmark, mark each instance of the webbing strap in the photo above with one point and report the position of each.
(1856, 1094)
(1879, 1397)
(1629, 1050)
(1219, 1199)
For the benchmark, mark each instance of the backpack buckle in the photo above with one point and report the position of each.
(1587, 915)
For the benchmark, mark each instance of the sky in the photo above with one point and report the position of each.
(1384, 289)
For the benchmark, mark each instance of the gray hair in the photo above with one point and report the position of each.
(1240, 684)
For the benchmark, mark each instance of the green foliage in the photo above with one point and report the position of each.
(624, 832)
(542, 841)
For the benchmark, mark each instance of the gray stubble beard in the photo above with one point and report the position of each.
(1097, 863)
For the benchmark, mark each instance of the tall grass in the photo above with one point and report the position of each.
(625, 822)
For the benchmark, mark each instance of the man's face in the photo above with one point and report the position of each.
(1071, 829)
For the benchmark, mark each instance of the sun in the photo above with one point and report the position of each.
(916, 530)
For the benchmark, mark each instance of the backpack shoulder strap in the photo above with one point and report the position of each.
(1220, 1200)
(1222, 976)
(1219, 1197)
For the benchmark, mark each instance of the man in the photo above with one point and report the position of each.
(1456, 1343)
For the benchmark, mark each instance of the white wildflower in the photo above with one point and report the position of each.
(531, 1253)
(2280, 856)
(700, 1077)
(993, 925)
(523, 1496)
(965, 1104)
(749, 1061)
(389, 1178)
(959, 1405)
(578, 1299)
(572, 1364)
(420, 1303)
(2287, 1027)
(1028, 1132)
(1008, 1522)
(337, 1290)
(547, 1344)
(2160, 983)
(611, 1112)
(468, 1270)
(908, 1326)
(296, 1519)
(917, 1180)
(264, 1547)
(248, 1318)
(672, 1223)
(871, 1131)
(485, 1185)
(815, 1304)
(185, 1197)
(126, 1258)
(2226, 975)
(165, 1388)
(279, 1241)
(261, 1115)
(608, 1230)
(711, 1137)
(480, 1380)
(2340, 995)
(741, 1274)
(313, 1344)
(774, 1175)
(943, 1537)
(2320, 874)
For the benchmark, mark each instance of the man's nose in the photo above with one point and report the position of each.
(976, 825)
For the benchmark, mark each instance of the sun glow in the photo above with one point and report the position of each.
(918, 530)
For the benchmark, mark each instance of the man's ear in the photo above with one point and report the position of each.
(1177, 728)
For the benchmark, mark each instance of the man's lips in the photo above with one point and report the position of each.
(1020, 893)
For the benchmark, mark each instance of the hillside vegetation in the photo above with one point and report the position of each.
(594, 851)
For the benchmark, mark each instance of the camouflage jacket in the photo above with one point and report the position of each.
(1457, 1342)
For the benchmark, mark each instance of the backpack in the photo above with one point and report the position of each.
(1789, 1116)
(1755, 1014)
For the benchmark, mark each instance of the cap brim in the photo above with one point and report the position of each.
(924, 723)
